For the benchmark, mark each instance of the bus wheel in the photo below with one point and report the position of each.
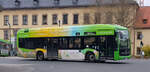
(40, 56)
(90, 57)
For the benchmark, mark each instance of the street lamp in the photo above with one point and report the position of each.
(59, 22)
(10, 45)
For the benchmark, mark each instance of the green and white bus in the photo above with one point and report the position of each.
(85, 42)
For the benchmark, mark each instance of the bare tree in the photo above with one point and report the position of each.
(125, 14)
(98, 14)
(122, 12)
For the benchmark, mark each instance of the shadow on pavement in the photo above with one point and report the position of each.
(116, 62)
(76, 61)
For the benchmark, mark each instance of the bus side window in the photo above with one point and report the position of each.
(63, 43)
(21, 43)
(101, 41)
(54, 42)
(29, 44)
(89, 41)
(70, 42)
(77, 42)
(40, 42)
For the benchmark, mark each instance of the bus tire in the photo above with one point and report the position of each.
(90, 57)
(40, 56)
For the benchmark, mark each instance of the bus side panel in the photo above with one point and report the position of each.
(71, 55)
(27, 53)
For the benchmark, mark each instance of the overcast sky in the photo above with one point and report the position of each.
(147, 2)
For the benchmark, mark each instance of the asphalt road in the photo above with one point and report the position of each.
(17, 64)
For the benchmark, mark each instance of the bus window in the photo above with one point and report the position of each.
(71, 42)
(77, 33)
(124, 39)
(63, 43)
(21, 45)
(89, 41)
(31, 43)
(54, 43)
(75, 43)
(89, 33)
(54, 40)
(101, 41)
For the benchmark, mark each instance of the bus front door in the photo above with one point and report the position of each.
(52, 50)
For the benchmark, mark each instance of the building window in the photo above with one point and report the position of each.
(25, 19)
(6, 36)
(97, 18)
(56, 2)
(108, 18)
(75, 2)
(138, 51)
(75, 18)
(44, 20)
(55, 18)
(15, 20)
(34, 19)
(36, 2)
(6, 20)
(139, 35)
(145, 21)
(86, 18)
(17, 3)
(65, 19)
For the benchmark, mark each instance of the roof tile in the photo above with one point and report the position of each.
(10, 4)
(143, 14)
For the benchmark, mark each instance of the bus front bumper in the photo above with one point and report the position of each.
(117, 57)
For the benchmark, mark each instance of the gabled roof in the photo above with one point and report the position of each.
(10, 4)
(143, 14)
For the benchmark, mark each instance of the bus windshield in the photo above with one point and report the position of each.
(124, 38)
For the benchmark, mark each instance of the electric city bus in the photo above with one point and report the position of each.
(84, 42)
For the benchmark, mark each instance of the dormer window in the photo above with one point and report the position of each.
(145, 21)
(56, 2)
(75, 2)
(35, 2)
(17, 3)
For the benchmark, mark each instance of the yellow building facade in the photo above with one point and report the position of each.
(40, 12)
(145, 40)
